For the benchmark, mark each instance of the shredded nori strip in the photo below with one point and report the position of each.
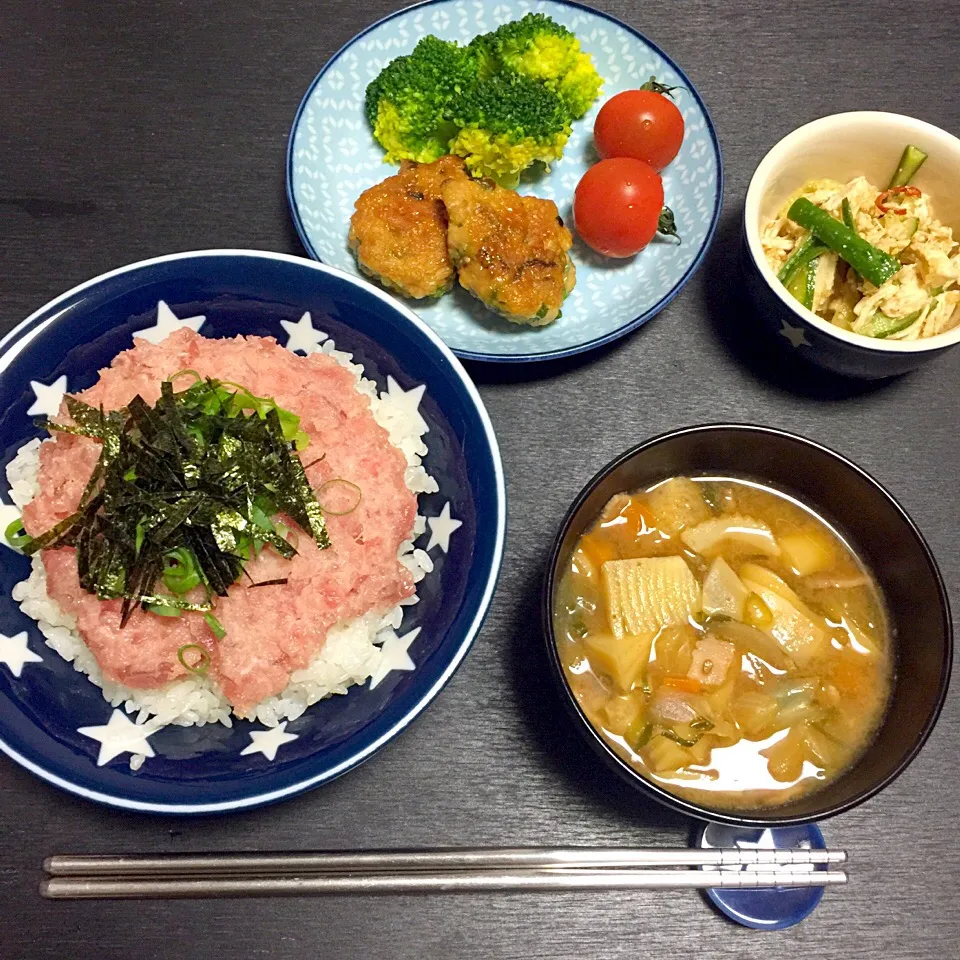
(204, 470)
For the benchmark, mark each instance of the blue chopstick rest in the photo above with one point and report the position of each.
(772, 908)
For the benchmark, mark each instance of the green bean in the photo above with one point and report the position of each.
(910, 162)
(807, 248)
(869, 261)
(881, 326)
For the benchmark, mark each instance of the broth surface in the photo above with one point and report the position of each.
(724, 640)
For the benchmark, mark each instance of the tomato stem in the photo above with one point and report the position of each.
(667, 223)
(657, 87)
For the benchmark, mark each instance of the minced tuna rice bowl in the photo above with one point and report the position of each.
(222, 528)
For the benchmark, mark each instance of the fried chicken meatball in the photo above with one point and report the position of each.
(511, 251)
(399, 230)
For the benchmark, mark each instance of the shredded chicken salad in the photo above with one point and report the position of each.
(920, 299)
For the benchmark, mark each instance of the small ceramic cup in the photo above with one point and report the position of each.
(841, 147)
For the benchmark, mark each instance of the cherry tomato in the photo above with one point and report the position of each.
(616, 206)
(641, 124)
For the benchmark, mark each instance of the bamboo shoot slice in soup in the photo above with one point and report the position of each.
(733, 648)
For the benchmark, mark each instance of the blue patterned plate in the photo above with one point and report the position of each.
(55, 722)
(332, 157)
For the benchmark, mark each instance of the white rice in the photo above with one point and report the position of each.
(350, 654)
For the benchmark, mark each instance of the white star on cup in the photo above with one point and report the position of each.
(795, 335)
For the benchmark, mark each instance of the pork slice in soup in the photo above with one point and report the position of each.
(724, 640)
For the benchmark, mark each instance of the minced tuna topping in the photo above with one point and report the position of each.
(272, 631)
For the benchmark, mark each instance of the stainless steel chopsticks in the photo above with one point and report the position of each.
(462, 881)
(393, 861)
(431, 871)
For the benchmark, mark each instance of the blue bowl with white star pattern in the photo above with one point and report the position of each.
(332, 157)
(56, 723)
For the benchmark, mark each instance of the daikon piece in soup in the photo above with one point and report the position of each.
(725, 641)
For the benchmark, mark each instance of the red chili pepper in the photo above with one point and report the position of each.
(892, 192)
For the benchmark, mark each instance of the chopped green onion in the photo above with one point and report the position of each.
(348, 488)
(180, 571)
(163, 611)
(185, 373)
(676, 738)
(216, 627)
(260, 518)
(201, 666)
(15, 535)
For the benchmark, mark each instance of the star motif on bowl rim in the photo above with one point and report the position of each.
(393, 656)
(14, 652)
(303, 335)
(121, 735)
(48, 397)
(268, 741)
(408, 400)
(167, 322)
(440, 529)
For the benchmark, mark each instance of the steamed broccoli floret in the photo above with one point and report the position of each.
(408, 104)
(502, 103)
(538, 47)
(507, 122)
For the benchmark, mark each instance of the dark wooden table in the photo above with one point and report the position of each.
(134, 129)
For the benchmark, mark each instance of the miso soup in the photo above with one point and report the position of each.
(725, 641)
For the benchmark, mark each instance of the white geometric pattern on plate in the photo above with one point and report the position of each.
(333, 158)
